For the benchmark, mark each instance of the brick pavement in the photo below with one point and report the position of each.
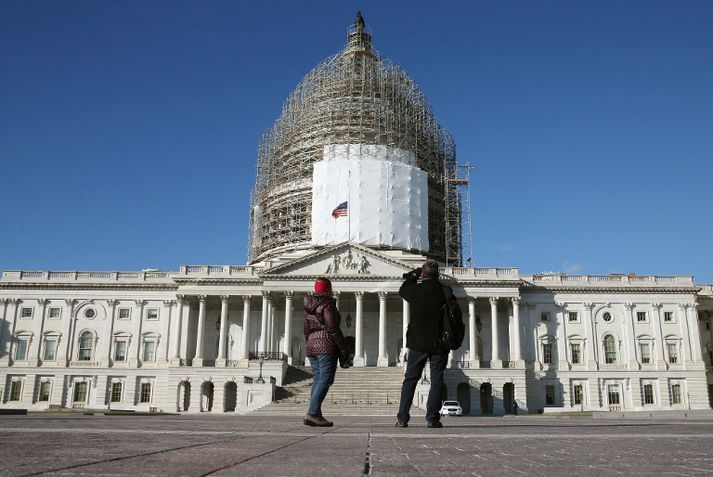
(74, 444)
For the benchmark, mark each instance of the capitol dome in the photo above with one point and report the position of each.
(352, 107)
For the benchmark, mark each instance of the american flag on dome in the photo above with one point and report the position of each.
(341, 210)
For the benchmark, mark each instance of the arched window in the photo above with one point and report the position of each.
(86, 340)
(609, 349)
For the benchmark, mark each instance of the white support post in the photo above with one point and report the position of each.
(515, 350)
(198, 359)
(383, 360)
(224, 302)
(405, 319)
(472, 343)
(358, 330)
(287, 349)
(243, 357)
(178, 327)
(263, 321)
(495, 359)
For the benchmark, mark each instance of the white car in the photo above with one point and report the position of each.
(451, 408)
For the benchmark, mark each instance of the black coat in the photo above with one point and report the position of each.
(426, 299)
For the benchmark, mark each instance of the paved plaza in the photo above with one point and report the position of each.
(76, 444)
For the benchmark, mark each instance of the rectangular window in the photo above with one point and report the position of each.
(668, 316)
(55, 312)
(573, 316)
(578, 394)
(547, 353)
(50, 350)
(152, 314)
(149, 351)
(544, 316)
(21, 351)
(145, 392)
(609, 350)
(80, 392)
(645, 352)
(116, 392)
(120, 351)
(575, 349)
(15, 390)
(641, 316)
(26, 312)
(45, 387)
(648, 393)
(676, 394)
(672, 350)
(613, 394)
(550, 395)
(124, 313)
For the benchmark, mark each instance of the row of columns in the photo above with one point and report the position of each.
(359, 359)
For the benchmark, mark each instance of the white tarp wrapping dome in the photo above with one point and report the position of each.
(371, 195)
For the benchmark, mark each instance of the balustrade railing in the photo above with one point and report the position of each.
(83, 364)
(269, 356)
(614, 279)
(185, 362)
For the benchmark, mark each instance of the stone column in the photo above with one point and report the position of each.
(105, 357)
(166, 329)
(495, 360)
(224, 301)
(137, 332)
(243, 356)
(630, 337)
(515, 349)
(287, 349)
(658, 344)
(198, 359)
(15, 302)
(270, 325)
(561, 334)
(591, 328)
(40, 328)
(335, 295)
(406, 318)
(65, 352)
(3, 333)
(263, 321)
(383, 360)
(358, 330)
(472, 343)
(694, 332)
(178, 326)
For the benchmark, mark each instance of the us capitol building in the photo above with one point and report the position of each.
(357, 181)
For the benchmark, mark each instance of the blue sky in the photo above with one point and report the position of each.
(128, 130)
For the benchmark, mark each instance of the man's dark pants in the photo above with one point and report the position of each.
(414, 369)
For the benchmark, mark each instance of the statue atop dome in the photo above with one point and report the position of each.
(359, 23)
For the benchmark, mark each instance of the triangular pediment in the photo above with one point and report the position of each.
(341, 261)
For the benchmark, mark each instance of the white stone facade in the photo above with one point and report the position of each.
(189, 341)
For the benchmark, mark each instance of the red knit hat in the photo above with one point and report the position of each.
(322, 286)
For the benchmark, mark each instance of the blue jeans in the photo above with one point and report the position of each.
(414, 369)
(323, 368)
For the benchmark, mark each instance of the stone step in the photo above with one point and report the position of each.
(330, 409)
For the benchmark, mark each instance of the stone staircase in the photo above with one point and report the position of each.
(356, 391)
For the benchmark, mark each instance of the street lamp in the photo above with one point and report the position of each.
(261, 359)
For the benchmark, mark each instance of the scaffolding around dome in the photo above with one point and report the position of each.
(353, 97)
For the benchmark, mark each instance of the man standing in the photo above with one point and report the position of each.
(426, 300)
